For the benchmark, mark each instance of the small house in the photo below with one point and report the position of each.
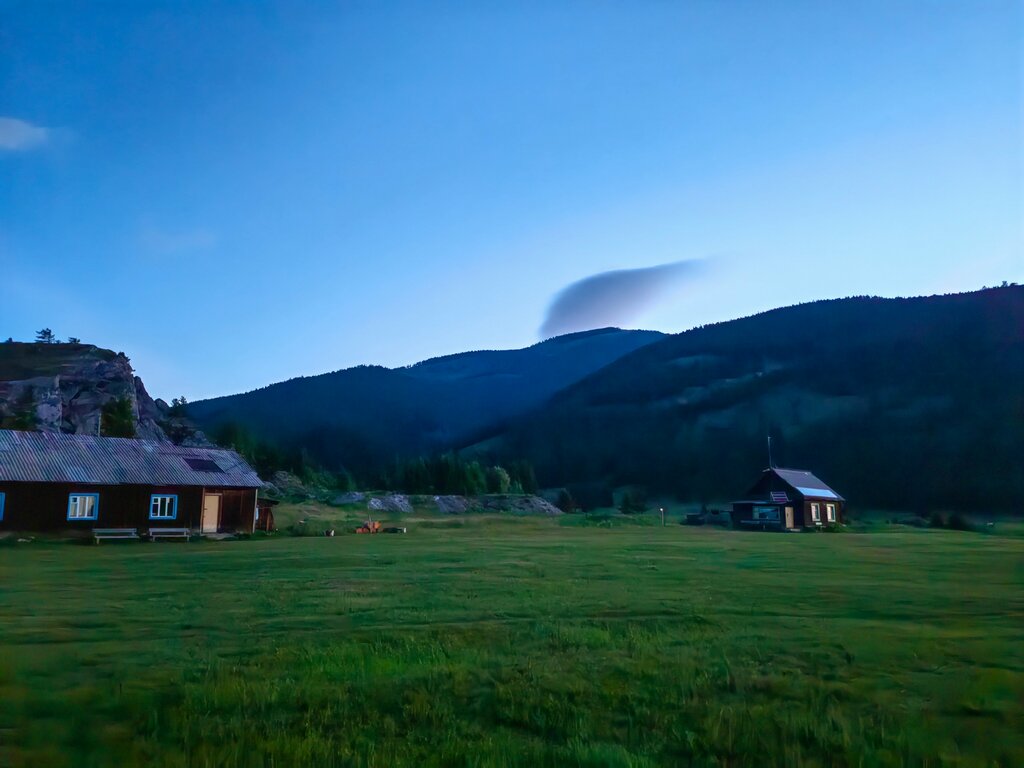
(54, 482)
(788, 499)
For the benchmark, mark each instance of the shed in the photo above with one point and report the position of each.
(265, 515)
(788, 499)
(58, 482)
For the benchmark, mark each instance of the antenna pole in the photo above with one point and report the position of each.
(771, 465)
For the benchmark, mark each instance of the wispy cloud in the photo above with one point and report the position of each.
(20, 136)
(614, 298)
(165, 242)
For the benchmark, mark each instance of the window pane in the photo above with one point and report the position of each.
(81, 506)
(163, 507)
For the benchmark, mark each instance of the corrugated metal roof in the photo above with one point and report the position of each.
(806, 483)
(60, 458)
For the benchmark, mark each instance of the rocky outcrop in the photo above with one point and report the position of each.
(67, 387)
(288, 484)
(507, 503)
(392, 502)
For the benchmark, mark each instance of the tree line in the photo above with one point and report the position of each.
(450, 473)
(443, 474)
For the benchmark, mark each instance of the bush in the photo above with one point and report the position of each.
(590, 496)
(566, 502)
(959, 522)
(954, 522)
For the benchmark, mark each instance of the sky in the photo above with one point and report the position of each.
(239, 193)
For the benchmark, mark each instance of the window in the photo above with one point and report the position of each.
(163, 506)
(816, 512)
(3, 498)
(83, 506)
(830, 512)
(766, 514)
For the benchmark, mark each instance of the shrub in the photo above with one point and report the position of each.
(959, 522)
(566, 502)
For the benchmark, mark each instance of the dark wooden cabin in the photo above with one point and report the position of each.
(788, 499)
(53, 482)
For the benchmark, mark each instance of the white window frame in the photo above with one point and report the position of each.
(163, 506)
(830, 512)
(78, 509)
(816, 512)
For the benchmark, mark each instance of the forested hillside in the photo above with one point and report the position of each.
(900, 403)
(363, 418)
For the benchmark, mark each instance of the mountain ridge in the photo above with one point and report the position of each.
(432, 405)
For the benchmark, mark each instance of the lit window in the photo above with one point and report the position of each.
(163, 507)
(83, 506)
(816, 512)
(830, 512)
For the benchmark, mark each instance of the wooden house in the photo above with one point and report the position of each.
(53, 482)
(788, 499)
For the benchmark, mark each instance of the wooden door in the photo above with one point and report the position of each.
(789, 517)
(211, 512)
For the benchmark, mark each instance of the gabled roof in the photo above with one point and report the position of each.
(805, 483)
(55, 457)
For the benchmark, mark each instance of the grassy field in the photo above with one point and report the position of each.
(495, 641)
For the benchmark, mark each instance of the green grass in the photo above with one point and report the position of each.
(484, 641)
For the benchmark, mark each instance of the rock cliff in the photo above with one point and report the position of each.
(82, 389)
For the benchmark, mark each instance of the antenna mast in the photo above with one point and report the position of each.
(771, 464)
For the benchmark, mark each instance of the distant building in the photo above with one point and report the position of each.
(57, 482)
(788, 499)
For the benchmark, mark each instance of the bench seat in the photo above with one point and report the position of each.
(170, 533)
(115, 533)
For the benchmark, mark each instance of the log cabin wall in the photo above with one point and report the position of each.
(43, 507)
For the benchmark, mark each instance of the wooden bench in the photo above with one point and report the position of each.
(114, 533)
(169, 533)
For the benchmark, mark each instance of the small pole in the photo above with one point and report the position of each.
(771, 464)
(662, 516)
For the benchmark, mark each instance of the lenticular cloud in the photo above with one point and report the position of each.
(614, 298)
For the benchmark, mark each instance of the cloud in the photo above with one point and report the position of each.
(163, 242)
(615, 298)
(19, 136)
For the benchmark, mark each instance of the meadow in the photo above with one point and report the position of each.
(497, 641)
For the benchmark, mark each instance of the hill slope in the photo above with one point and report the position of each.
(909, 403)
(362, 417)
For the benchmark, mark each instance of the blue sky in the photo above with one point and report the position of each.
(235, 194)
